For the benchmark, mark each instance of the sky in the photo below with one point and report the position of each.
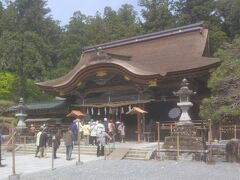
(62, 10)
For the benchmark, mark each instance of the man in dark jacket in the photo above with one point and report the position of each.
(56, 143)
(68, 140)
(43, 143)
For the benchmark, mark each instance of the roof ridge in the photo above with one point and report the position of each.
(149, 36)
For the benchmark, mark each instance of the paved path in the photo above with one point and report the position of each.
(30, 164)
(142, 170)
(94, 168)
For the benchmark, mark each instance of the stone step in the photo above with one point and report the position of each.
(31, 149)
(138, 154)
(60, 152)
(134, 158)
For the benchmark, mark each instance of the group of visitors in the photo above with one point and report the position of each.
(102, 132)
(45, 137)
(97, 133)
(82, 129)
(115, 130)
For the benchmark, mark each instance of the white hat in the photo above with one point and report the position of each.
(105, 119)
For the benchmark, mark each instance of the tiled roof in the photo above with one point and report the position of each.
(155, 55)
(57, 104)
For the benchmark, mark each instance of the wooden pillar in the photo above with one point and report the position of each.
(158, 125)
(139, 127)
(79, 140)
(143, 117)
(178, 147)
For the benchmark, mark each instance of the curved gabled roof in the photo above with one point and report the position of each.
(155, 55)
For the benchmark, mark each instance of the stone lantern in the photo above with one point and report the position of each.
(21, 116)
(184, 137)
(184, 94)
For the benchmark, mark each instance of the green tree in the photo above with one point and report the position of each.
(28, 41)
(23, 53)
(224, 104)
(228, 13)
(129, 20)
(157, 15)
(33, 93)
(189, 12)
(71, 43)
(8, 87)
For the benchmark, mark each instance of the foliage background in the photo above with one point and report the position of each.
(34, 47)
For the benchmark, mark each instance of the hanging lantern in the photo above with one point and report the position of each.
(92, 110)
(98, 112)
(110, 110)
(105, 111)
(122, 110)
(129, 108)
(87, 111)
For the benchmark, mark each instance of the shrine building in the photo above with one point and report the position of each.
(141, 71)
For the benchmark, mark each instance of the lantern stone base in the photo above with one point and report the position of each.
(190, 146)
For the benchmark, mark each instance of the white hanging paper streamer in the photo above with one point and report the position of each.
(129, 108)
(92, 110)
(98, 112)
(87, 111)
(122, 110)
(105, 111)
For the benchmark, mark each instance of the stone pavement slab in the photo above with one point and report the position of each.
(30, 164)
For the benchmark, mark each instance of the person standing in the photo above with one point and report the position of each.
(74, 130)
(86, 133)
(105, 123)
(38, 143)
(43, 143)
(117, 136)
(56, 144)
(100, 127)
(101, 142)
(112, 130)
(68, 140)
(121, 130)
(93, 133)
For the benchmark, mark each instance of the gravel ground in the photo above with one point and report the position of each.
(149, 170)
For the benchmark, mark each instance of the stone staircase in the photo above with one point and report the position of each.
(31, 149)
(132, 154)
(139, 154)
